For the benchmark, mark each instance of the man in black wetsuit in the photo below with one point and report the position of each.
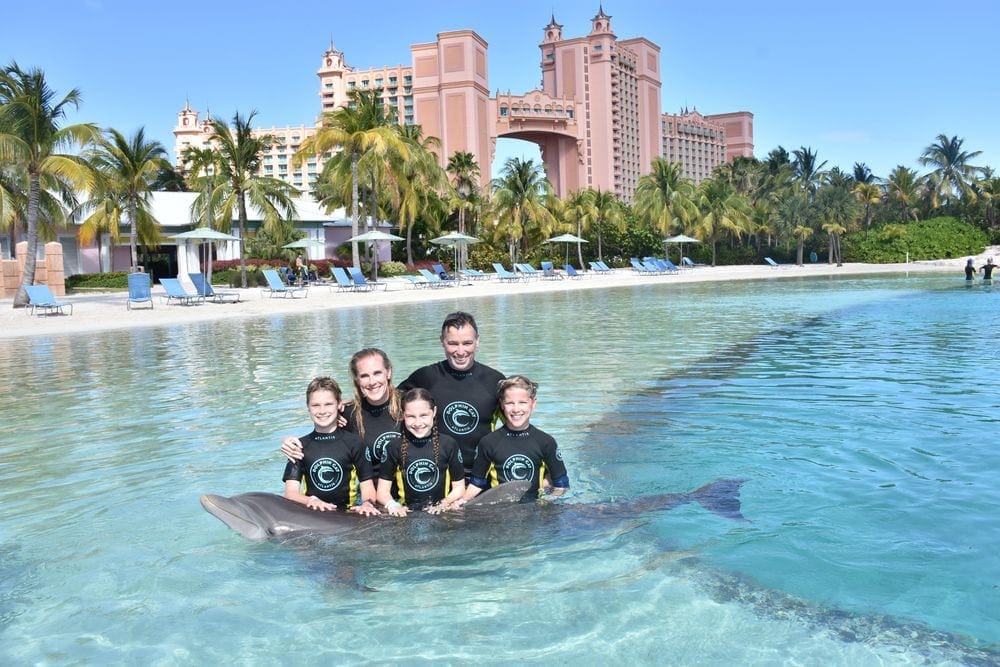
(987, 269)
(463, 388)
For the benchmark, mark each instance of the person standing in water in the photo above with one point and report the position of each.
(463, 388)
(375, 412)
(987, 269)
(970, 270)
(424, 464)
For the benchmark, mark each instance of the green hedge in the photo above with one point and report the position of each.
(936, 238)
(113, 280)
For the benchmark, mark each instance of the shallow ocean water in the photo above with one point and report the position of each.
(862, 412)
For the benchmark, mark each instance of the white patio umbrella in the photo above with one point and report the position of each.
(305, 243)
(680, 239)
(455, 239)
(203, 234)
(375, 235)
(567, 239)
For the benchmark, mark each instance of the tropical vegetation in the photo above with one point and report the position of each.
(790, 204)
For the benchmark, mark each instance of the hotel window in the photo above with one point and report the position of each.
(407, 80)
(378, 82)
(503, 112)
(392, 80)
(328, 85)
(350, 85)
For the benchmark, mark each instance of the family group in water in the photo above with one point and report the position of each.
(428, 444)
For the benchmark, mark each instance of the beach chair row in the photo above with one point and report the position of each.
(653, 266)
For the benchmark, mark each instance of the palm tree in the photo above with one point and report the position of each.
(838, 208)
(807, 172)
(30, 141)
(609, 212)
(665, 197)
(868, 195)
(417, 177)
(988, 189)
(358, 129)
(793, 214)
(464, 172)
(862, 174)
(125, 171)
(578, 209)
(521, 196)
(903, 187)
(721, 211)
(240, 153)
(952, 175)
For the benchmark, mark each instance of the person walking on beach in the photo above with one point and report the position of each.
(464, 389)
(333, 461)
(987, 269)
(970, 270)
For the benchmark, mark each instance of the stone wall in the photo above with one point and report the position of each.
(48, 270)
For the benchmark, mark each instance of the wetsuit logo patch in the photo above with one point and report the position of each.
(326, 474)
(422, 475)
(518, 468)
(377, 450)
(461, 418)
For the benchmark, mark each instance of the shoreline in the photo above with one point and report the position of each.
(106, 311)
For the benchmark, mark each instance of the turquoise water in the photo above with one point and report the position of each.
(862, 412)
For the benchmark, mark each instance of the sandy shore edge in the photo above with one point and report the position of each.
(106, 311)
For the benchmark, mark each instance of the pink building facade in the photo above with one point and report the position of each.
(596, 116)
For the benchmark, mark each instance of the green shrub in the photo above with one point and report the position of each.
(482, 256)
(389, 269)
(112, 280)
(936, 238)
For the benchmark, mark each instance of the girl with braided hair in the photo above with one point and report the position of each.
(425, 463)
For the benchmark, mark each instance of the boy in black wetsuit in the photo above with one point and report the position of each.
(333, 460)
(463, 388)
(517, 450)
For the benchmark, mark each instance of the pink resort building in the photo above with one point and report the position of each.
(596, 116)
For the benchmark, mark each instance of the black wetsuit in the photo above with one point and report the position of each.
(509, 456)
(421, 481)
(380, 429)
(987, 270)
(330, 466)
(466, 401)
(970, 272)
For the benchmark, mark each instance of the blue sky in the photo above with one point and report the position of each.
(872, 82)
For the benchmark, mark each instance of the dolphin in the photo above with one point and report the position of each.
(266, 516)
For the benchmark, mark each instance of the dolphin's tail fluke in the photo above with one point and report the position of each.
(721, 497)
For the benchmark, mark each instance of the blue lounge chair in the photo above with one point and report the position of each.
(418, 282)
(688, 262)
(275, 285)
(359, 280)
(344, 282)
(549, 271)
(571, 272)
(600, 267)
(41, 297)
(140, 290)
(204, 288)
(528, 272)
(773, 264)
(441, 273)
(434, 280)
(473, 274)
(638, 266)
(665, 265)
(176, 292)
(504, 274)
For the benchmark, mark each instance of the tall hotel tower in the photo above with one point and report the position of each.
(596, 116)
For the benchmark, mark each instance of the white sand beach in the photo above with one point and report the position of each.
(103, 311)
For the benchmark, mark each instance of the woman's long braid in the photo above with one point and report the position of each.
(437, 443)
(404, 448)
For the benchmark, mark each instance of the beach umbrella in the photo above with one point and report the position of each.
(567, 239)
(374, 235)
(203, 234)
(680, 239)
(305, 243)
(457, 240)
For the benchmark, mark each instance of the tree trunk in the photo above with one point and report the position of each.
(243, 236)
(829, 251)
(133, 232)
(355, 260)
(579, 246)
(28, 276)
(799, 251)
